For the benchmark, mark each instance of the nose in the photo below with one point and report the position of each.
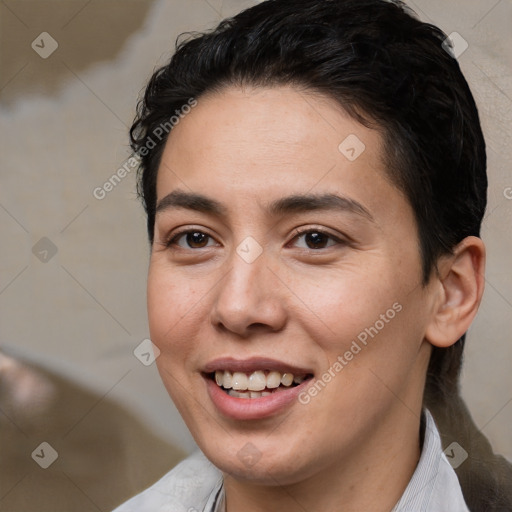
(249, 298)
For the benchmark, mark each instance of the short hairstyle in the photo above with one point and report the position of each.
(386, 69)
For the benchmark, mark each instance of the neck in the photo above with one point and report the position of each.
(372, 477)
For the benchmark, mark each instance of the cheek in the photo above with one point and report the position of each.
(173, 311)
(174, 306)
(163, 303)
(345, 302)
(365, 322)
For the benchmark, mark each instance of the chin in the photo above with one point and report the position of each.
(270, 465)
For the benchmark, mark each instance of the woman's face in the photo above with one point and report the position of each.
(264, 287)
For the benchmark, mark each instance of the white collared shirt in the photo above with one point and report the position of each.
(196, 485)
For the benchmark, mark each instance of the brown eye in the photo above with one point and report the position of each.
(193, 238)
(317, 239)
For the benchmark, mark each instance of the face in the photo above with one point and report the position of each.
(253, 285)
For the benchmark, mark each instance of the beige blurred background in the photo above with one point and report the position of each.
(73, 267)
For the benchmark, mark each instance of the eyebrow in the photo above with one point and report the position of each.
(296, 203)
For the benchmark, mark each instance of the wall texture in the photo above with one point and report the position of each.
(73, 267)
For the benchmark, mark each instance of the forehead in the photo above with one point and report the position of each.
(265, 143)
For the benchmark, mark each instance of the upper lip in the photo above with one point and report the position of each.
(253, 364)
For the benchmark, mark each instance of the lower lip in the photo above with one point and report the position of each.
(253, 408)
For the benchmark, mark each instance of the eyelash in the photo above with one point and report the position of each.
(172, 240)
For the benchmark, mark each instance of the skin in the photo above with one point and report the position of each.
(357, 442)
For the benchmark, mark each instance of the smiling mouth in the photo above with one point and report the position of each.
(257, 384)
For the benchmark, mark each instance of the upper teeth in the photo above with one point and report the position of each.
(256, 381)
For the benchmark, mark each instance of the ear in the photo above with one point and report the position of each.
(460, 285)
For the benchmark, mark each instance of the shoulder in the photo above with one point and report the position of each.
(186, 487)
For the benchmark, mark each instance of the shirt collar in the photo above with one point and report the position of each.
(434, 485)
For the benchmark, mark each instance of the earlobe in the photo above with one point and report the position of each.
(460, 283)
